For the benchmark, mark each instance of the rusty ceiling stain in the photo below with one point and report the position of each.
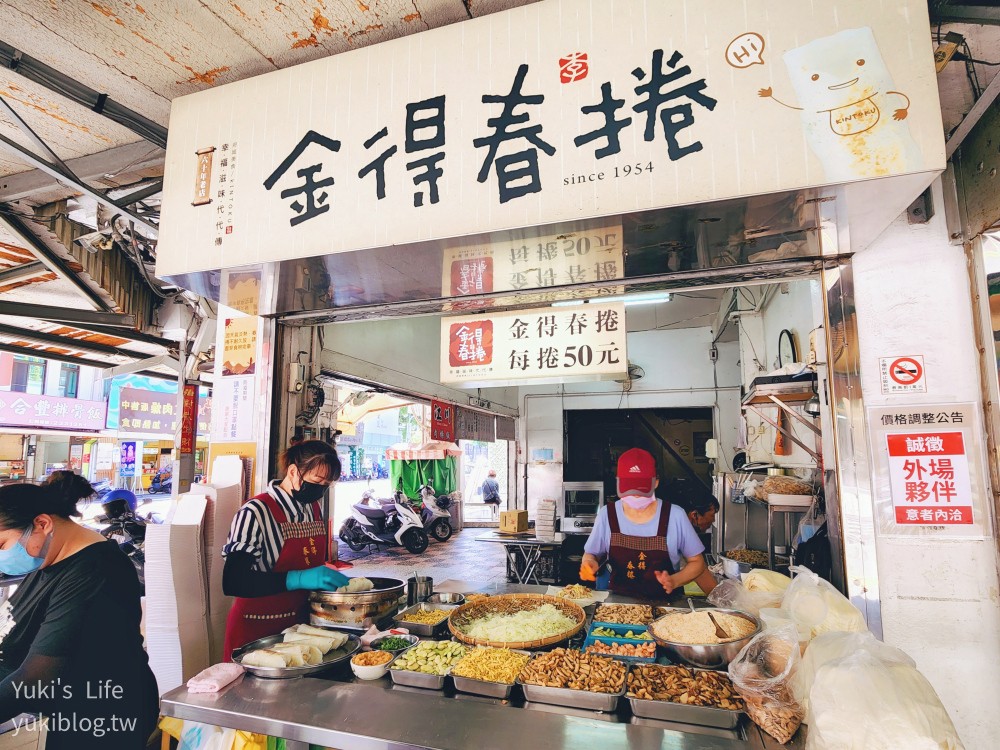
(239, 10)
(309, 41)
(209, 76)
(362, 7)
(412, 17)
(321, 22)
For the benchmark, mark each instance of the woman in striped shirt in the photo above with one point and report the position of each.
(277, 548)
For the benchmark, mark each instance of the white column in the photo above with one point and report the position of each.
(939, 597)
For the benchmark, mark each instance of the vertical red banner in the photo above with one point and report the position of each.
(189, 418)
(442, 421)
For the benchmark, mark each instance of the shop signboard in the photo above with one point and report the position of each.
(442, 421)
(543, 114)
(189, 418)
(239, 347)
(505, 429)
(235, 398)
(51, 412)
(243, 291)
(535, 258)
(126, 461)
(544, 345)
(474, 425)
(152, 412)
(928, 459)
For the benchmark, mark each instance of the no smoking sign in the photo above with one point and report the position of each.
(902, 374)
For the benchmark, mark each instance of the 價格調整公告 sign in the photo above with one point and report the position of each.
(543, 114)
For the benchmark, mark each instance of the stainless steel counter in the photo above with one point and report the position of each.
(336, 710)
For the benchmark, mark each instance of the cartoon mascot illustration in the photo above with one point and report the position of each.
(854, 119)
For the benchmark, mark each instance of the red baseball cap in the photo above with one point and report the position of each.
(636, 472)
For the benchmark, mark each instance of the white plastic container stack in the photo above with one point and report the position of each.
(177, 594)
(545, 519)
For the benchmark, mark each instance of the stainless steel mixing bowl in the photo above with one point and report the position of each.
(706, 655)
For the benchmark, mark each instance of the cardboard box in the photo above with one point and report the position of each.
(514, 521)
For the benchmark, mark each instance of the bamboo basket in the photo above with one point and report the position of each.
(511, 604)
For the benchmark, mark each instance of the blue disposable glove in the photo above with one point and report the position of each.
(321, 578)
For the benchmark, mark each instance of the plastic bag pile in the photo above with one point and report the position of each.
(853, 691)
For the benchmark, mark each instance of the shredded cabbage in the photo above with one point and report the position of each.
(528, 625)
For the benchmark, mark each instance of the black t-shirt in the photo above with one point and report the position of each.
(85, 612)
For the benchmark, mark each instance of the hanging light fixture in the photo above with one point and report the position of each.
(812, 406)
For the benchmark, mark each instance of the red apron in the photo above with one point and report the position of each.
(635, 559)
(304, 546)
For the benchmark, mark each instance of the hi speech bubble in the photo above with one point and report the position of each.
(746, 50)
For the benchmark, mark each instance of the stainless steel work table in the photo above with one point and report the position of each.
(523, 552)
(336, 710)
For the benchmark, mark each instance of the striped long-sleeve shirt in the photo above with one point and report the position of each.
(256, 532)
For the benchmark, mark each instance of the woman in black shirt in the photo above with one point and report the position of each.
(70, 646)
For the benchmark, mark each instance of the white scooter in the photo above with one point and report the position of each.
(434, 514)
(397, 524)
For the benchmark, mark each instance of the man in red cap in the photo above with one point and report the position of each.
(651, 550)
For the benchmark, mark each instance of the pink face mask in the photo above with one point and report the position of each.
(638, 502)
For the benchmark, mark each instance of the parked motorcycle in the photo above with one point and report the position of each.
(162, 482)
(434, 513)
(395, 524)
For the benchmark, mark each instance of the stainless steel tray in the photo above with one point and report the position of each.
(571, 698)
(420, 629)
(330, 659)
(704, 715)
(479, 687)
(482, 687)
(418, 679)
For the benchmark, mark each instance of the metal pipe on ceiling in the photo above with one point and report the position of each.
(57, 81)
(67, 342)
(23, 271)
(67, 315)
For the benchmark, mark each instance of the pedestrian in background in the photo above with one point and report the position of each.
(491, 492)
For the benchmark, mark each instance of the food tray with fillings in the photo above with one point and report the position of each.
(592, 639)
(624, 614)
(330, 659)
(486, 688)
(511, 604)
(558, 664)
(434, 680)
(425, 629)
(664, 709)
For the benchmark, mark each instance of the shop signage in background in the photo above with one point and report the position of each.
(542, 345)
(475, 425)
(928, 460)
(234, 397)
(442, 421)
(127, 458)
(189, 418)
(239, 347)
(505, 429)
(140, 410)
(589, 251)
(566, 117)
(55, 412)
(902, 374)
(243, 291)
